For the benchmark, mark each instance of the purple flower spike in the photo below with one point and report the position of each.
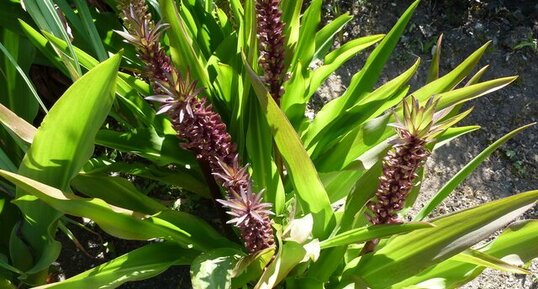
(271, 37)
(199, 127)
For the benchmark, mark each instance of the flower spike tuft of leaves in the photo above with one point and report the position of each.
(271, 37)
(418, 126)
(201, 128)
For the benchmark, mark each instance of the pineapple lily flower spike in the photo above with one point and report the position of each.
(199, 127)
(418, 126)
(271, 36)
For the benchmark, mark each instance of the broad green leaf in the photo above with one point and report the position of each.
(250, 267)
(290, 254)
(190, 179)
(182, 228)
(17, 125)
(356, 143)
(148, 144)
(185, 52)
(291, 12)
(340, 183)
(116, 191)
(337, 57)
(64, 141)
(364, 190)
(309, 189)
(414, 252)
(213, 269)
(464, 94)
(62, 145)
(464, 173)
(139, 264)
(363, 81)
(265, 174)
(371, 232)
(305, 46)
(516, 245)
(325, 36)
(128, 87)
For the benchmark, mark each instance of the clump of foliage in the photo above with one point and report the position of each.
(322, 201)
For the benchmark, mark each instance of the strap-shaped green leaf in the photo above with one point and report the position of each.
(371, 232)
(18, 92)
(148, 144)
(308, 187)
(190, 179)
(185, 52)
(182, 228)
(48, 19)
(127, 86)
(516, 245)
(464, 94)
(464, 172)
(407, 255)
(326, 34)
(363, 81)
(17, 125)
(62, 145)
(433, 71)
(451, 79)
(116, 191)
(139, 264)
(265, 173)
(482, 259)
(373, 105)
(337, 57)
(291, 12)
(305, 46)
